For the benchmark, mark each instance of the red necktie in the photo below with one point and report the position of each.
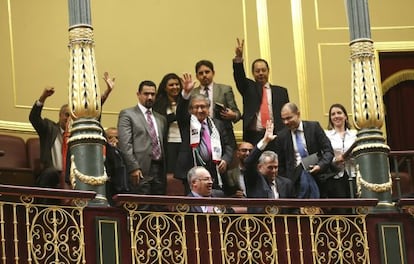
(264, 108)
(65, 138)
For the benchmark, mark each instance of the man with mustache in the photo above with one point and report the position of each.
(142, 133)
(223, 105)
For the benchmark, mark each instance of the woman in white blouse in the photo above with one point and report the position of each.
(342, 138)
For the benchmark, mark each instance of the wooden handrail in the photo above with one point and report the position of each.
(14, 190)
(400, 153)
(247, 202)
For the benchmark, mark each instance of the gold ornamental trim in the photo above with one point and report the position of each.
(91, 180)
(396, 78)
(373, 187)
(362, 48)
(367, 104)
(84, 92)
(86, 137)
(300, 56)
(371, 146)
(81, 35)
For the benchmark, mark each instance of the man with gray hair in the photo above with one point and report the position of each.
(262, 180)
(201, 185)
(204, 140)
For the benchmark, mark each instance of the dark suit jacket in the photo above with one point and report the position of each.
(185, 159)
(47, 131)
(251, 92)
(194, 208)
(232, 181)
(258, 187)
(135, 140)
(161, 104)
(316, 142)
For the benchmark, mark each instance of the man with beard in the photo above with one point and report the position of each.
(235, 184)
(223, 105)
(142, 133)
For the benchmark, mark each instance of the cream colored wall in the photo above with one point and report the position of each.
(138, 40)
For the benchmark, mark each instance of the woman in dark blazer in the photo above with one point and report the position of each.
(165, 104)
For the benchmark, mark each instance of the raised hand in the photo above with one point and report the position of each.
(239, 48)
(48, 91)
(110, 83)
(269, 136)
(188, 84)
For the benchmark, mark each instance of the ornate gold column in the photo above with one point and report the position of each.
(86, 142)
(371, 152)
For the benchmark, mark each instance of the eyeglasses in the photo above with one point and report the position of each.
(202, 107)
(205, 179)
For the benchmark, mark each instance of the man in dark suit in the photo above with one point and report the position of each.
(51, 139)
(201, 185)
(234, 183)
(288, 145)
(261, 176)
(115, 166)
(214, 155)
(142, 133)
(261, 100)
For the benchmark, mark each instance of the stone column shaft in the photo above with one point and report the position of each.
(86, 143)
(371, 152)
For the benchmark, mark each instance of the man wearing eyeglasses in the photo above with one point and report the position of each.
(235, 185)
(201, 185)
(208, 145)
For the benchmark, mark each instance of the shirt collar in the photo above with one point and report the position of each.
(144, 109)
(333, 132)
(300, 127)
(196, 194)
(210, 86)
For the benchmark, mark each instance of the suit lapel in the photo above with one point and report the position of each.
(274, 96)
(141, 118)
(159, 127)
(216, 94)
(308, 136)
(259, 90)
(197, 90)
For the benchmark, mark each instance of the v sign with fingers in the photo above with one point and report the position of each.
(239, 48)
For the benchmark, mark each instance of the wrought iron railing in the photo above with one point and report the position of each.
(39, 233)
(306, 237)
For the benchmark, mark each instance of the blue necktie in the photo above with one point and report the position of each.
(300, 145)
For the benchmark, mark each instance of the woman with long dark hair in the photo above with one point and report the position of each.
(165, 103)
